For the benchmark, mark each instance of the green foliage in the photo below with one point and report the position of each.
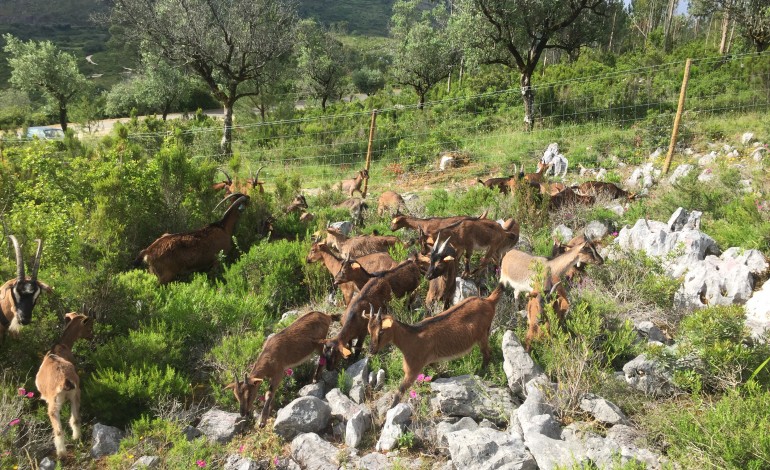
(636, 279)
(367, 80)
(231, 358)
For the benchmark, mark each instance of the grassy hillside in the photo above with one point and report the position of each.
(363, 17)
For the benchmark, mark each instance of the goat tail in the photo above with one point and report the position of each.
(137, 263)
(335, 316)
(495, 295)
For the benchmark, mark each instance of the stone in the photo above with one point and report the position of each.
(602, 410)
(468, 396)
(651, 332)
(656, 154)
(706, 175)
(312, 390)
(191, 432)
(758, 154)
(753, 259)
(303, 415)
(105, 440)
(220, 426)
(289, 314)
(238, 462)
(446, 162)
(358, 372)
(313, 453)
(357, 426)
(758, 311)
(680, 172)
(707, 159)
(47, 464)
(715, 281)
(596, 230)
(445, 427)
(380, 379)
(463, 290)
(395, 424)
(563, 233)
(374, 461)
(678, 219)
(329, 378)
(152, 461)
(485, 423)
(517, 363)
(341, 407)
(747, 137)
(358, 393)
(344, 226)
(648, 376)
(383, 404)
(486, 449)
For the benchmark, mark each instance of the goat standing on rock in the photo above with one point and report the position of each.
(18, 296)
(177, 254)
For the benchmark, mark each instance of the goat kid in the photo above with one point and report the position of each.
(177, 254)
(446, 336)
(287, 348)
(352, 185)
(431, 226)
(18, 296)
(58, 381)
(599, 188)
(390, 202)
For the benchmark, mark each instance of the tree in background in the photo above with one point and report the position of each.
(515, 33)
(753, 16)
(727, 8)
(42, 67)
(369, 81)
(322, 64)
(424, 53)
(158, 87)
(227, 44)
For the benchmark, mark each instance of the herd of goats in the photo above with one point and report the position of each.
(368, 278)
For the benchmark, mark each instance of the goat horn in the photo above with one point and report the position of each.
(229, 180)
(19, 259)
(229, 196)
(443, 247)
(256, 177)
(435, 243)
(553, 288)
(38, 255)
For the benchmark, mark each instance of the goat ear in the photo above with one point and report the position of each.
(231, 386)
(449, 258)
(387, 323)
(69, 317)
(345, 351)
(254, 381)
(355, 265)
(45, 287)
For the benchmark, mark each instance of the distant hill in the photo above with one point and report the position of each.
(363, 17)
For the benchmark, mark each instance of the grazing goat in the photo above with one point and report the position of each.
(234, 186)
(568, 196)
(298, 204)
(442, 274)
(352, 185)
(502, 183)
(599, 188)
(535, 309)
(356, 207)
(18, 296)
(287, 348)
(431, 226)
(390, 202)
(537, 176)
(519, 270)
(174, 255)
(403, 278)
(359, 246)
(482, 234)
(227, 184)
(58, 381)
(255, 183)
(446, 336)
(372, 262)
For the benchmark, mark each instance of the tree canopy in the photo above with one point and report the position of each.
(322, 62)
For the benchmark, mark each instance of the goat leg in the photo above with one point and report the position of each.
(268, 405)
(54, 409)
(486, 354)
(75, 414)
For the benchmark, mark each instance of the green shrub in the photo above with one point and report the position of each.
(155, 344)
(232, 357)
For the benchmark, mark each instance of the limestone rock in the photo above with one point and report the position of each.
(517, 363)
(463, 290)
(303, 415)
(445, 427)
(486, 449)
(314, 453)
(648, 376)
(358, 424)
(468, 396)
(105, 440)
(220, 426)
(238, 462)
(395, 424)
(758, 311)
(602, 410)
(563, 233)
(344, 226)
(312, 390)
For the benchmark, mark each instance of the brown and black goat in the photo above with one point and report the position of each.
(352, 185)
(58, 381)
(600, 188)
(403, 278)
(568, 196)
(174, 255)
(482, 234)
(442, 274)
(18, 296)
(235, 186)
(287, 348)
(226, 185)
(298, 204)
(446, 336)
(430, 226)
(390, 202)
(361, 245)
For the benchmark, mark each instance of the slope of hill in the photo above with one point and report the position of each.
(362, 17)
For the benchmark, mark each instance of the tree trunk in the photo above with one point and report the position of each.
(667, 33)
(725, 27)
(528, 94)
(63, 115)
(166, 109)
(323, 103)
(421, 103)
(262, 112)
(226, 146)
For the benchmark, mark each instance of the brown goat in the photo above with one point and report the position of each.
(568, 196)
(18, 296)
(599, 188)
(390, 202)
(442, 274)
(372, 262)
(287, 348)
(58, 381)
(174, 255)
(431, 226)
(446, 336)
(361, 245)
(356, 207)
(298, 204)
(243, 187)
(537, 176)
(227, 184)
(535, 310)
(403, 278)
(352, 185)
(483, 234)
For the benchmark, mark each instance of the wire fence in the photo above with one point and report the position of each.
(600, 118)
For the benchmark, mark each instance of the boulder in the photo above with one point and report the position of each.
(758, 311)
(303, 415)
(707, 159)
(342, 407)
(648, 376)
(357, 393)
(239, 462)
(344, 226)
(606, 452)
(358, 374)
(375, 461)
(651, 332)
(563, 233)
(48, 464)
(680, 172)
(747, 138)
(485, 448)
(313, 453)
(312, 390)
(191, 432)
(105, 440)
(445, 427)
(758, 154)
(446, 162)
(220, 426)
(468, 396)
(464, 289)
(706, 175)
(596, 230)
(358, 424)
(602, 410)
(395, 425)
(517, 363)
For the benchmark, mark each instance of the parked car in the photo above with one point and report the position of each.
(44, 133)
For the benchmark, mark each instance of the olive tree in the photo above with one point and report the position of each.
(516, 33)
(226, 43)
(42, 67)
(322, 62)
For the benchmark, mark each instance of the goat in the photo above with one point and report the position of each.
(446, 336)
(442, 274)
(502, 183)
(361, 245)
(174, 255)
(227, 184)
(568, 196)
(58, 381)
(374, 262)
(287, 348)
(470, 235)
(535, 309)
(19, 296)
(354, 184)
(597, 188)
(403, 278)
(431, 226)
(356, 207)
(519, 269)
(255, 183)
(390, 201)
(298, 204)
(537, 176)
(234, 186)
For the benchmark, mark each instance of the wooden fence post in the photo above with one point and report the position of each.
(678, 118)
(369, 153)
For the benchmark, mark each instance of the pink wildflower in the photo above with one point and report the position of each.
(427, 378)
(289, 372)
(420, 377)
(14, 422)
(240, 449)
(614, 234)
(412, 394)
(22, 391)
(200, 463)
(30, 394)
(276, 461)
